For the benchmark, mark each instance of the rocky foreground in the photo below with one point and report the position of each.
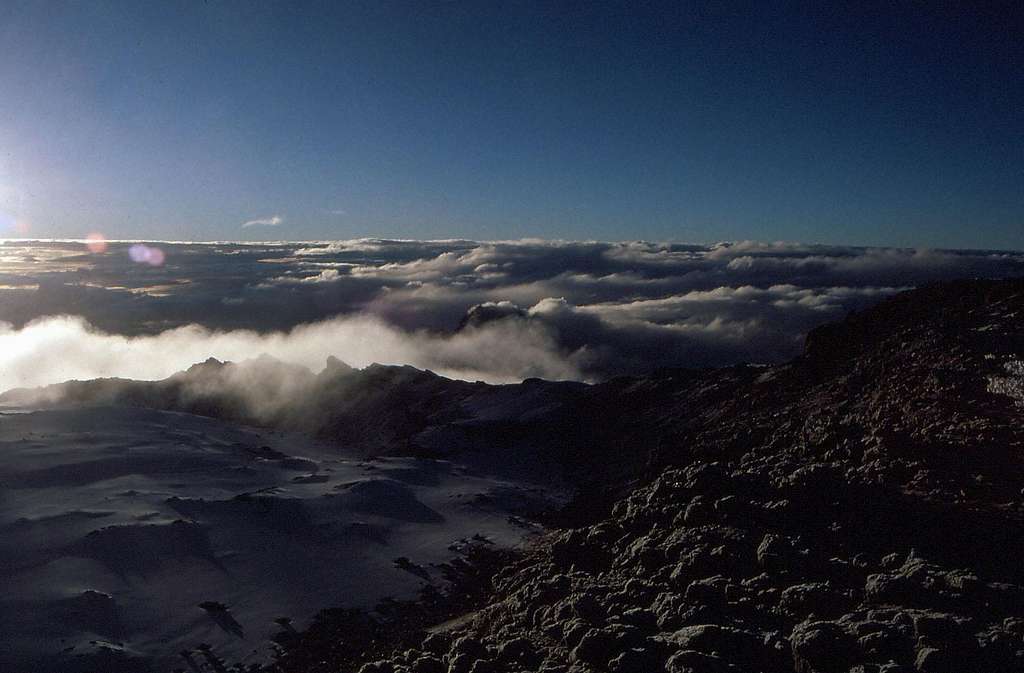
(857, 510)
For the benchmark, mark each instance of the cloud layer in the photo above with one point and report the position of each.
(497, 311)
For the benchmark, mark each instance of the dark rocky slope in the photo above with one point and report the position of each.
(859, 509)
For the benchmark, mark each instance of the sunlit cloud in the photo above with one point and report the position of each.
(272, 221)
(495, 353)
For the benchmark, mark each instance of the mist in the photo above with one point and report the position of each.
(62, 348)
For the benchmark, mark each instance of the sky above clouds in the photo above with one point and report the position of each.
(493, 311)
(896, 125)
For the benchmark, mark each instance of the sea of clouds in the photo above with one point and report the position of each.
(494, 311)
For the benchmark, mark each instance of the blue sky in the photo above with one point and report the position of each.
(488, 120)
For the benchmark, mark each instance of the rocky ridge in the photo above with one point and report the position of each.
(859, 510)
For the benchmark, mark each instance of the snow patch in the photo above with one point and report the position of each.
(128, 535)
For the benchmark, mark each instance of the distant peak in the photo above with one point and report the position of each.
(208, 364)
(336, 366)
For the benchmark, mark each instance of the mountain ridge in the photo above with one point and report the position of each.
(857, 510)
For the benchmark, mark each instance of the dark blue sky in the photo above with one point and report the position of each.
(184, 120)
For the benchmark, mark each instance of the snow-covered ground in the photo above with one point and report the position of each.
(115, 524)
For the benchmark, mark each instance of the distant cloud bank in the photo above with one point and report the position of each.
(496, 311)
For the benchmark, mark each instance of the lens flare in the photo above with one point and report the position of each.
(13, 225)
(96, 242)
(138, 253)
(144, 254)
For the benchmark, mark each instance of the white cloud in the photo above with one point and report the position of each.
(60, 348)
(622, 307)
(272, 221)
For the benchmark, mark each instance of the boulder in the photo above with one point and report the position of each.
(822, 647)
